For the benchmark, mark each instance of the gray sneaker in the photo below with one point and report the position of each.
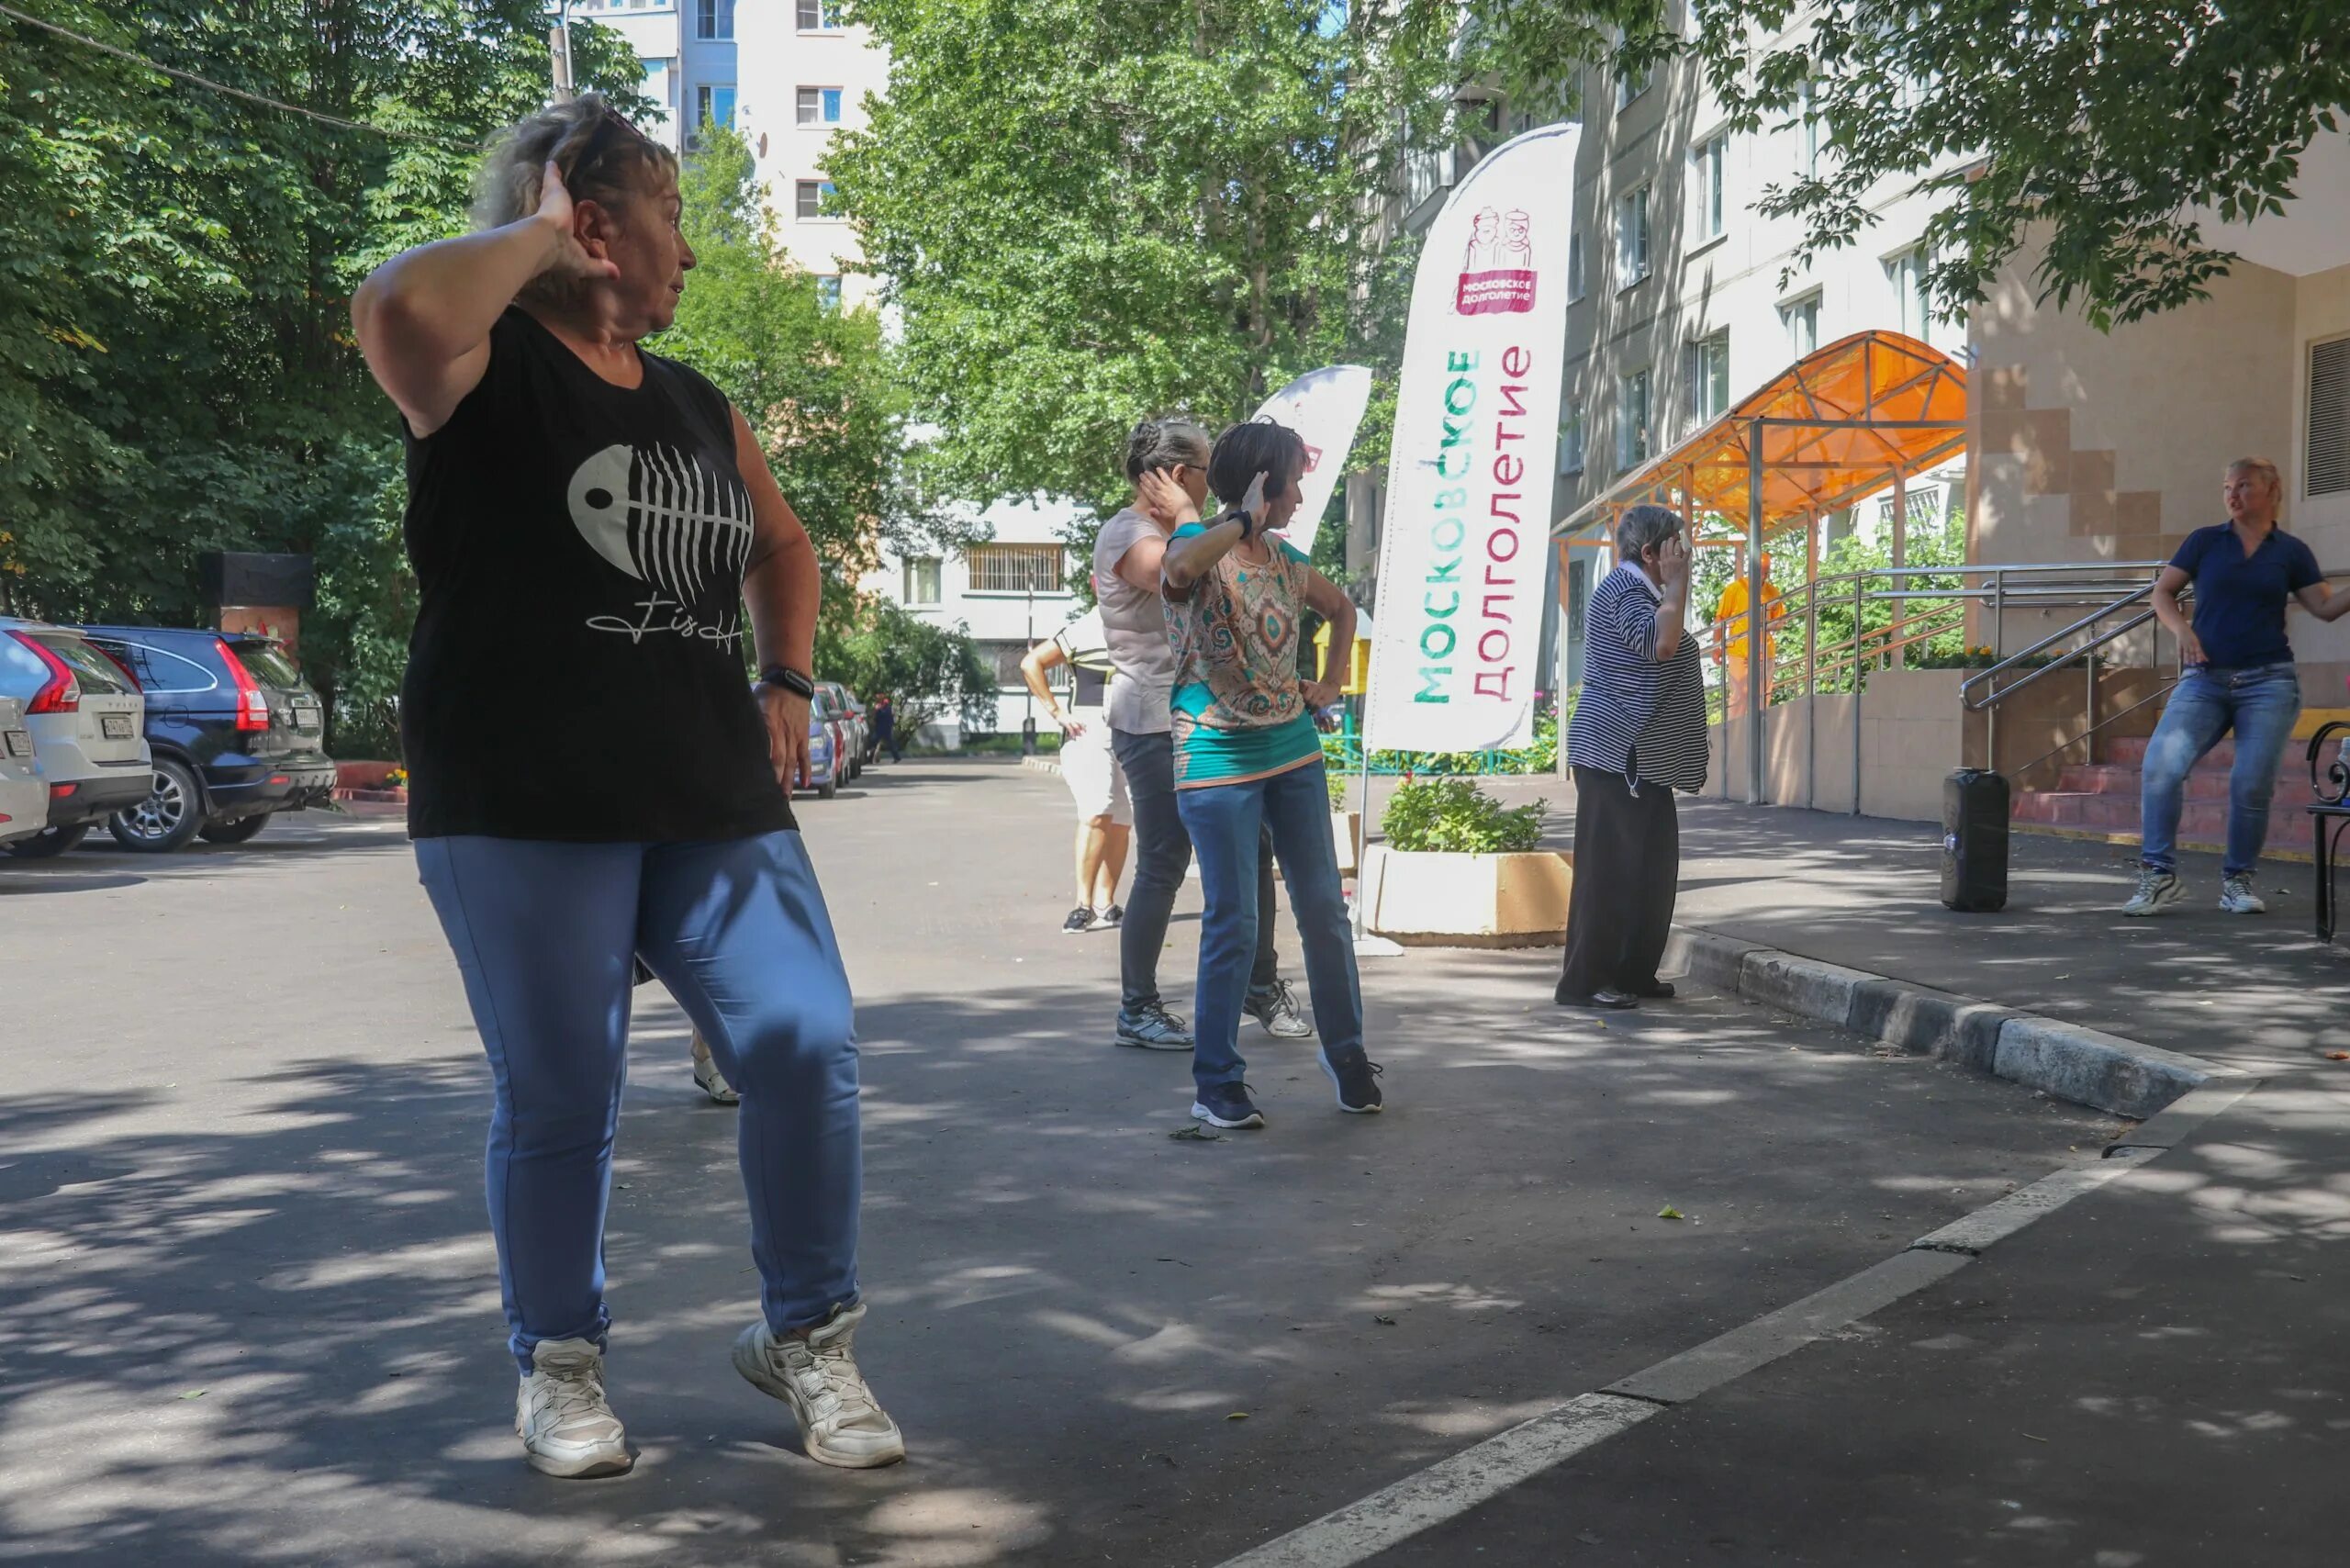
(2236, 897)
(1277, 1010)
(1153, 1029)
(2157, 890)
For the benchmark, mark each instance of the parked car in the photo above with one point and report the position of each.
(24, 788)
(823, 753)
(84, 712)
(852, 716)
(235, 731)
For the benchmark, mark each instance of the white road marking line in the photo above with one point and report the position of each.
(1451, 1486)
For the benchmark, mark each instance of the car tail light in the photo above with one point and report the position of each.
(253, 703)
(59, 792)
(60, 692)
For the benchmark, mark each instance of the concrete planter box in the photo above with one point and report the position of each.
(1427, 900)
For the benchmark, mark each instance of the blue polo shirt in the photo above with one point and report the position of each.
(2239, 598)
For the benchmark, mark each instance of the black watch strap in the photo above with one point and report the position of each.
(790, 680)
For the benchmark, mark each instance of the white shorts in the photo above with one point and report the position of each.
(1091, 771)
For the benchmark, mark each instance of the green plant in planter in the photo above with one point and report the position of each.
(1338, 783)
(1452, 815)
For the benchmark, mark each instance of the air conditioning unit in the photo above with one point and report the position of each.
(693, 141)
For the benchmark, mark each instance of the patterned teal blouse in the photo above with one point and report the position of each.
(1236, 711)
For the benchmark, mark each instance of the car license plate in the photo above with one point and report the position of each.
(306, 716)
(20, 743)
(115, 726)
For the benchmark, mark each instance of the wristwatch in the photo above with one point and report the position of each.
(790, 680)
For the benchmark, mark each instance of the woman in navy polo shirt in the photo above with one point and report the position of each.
(2239, 676)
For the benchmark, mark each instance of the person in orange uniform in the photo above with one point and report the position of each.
(1729, 636)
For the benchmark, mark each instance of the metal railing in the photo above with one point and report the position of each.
(1853, 623)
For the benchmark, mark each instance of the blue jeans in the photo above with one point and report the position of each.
(1162, 854)
(1224, 820)
(2259, 703)
(545, 935)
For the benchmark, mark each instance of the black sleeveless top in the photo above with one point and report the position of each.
(576, 670)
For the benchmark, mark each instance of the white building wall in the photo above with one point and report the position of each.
(777, 59)
(1005, 624)
(682, 67)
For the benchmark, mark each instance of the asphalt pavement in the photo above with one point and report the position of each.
(248, 1304)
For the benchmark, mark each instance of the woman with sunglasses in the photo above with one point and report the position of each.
(599, 516)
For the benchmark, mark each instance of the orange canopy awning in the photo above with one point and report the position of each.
(1838, 425)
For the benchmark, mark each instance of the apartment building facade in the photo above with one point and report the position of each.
(805, 77)
(688, 49)
(1008, 591)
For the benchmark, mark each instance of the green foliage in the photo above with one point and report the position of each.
(815, 383)
(176, 371)
(1453, 815)
(928, 670)
(2094, 131)
(1542, 756)
(1089, 211)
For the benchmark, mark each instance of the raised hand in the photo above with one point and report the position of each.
(1161, 496)
(558, 210)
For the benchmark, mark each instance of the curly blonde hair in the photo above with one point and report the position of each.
(604, 158)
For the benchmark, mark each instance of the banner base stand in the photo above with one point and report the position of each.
(1377, 947)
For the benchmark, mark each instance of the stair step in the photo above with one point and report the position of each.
(2112, 779)
(2203, 824)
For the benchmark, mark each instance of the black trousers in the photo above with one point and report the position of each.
(1628, 869)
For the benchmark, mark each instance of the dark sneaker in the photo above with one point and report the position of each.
(1277, 1011)
(1357, 1078)
(1655, 991)
(1228, 1105)
(1081, 919)
(1606, 999)
(1111, 917)
(1153, 1029)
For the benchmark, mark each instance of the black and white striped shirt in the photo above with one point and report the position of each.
(1634, 716)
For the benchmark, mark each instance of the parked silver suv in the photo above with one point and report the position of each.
(88, 724)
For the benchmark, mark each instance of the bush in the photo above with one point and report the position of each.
(1453, 815)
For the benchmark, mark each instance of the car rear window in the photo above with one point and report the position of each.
(268, 664)
(100, 675)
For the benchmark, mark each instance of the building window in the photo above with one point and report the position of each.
(1709, 377)
(2329, 432)
(819, 106)
(828, 290)
(820, 15)
(1570, 441)
(1808, 104)
(922, 579)
(1633, 238)
(715, 104)
(1802, 317)
(813, 198)
(1574, 265)
(1706, 166)
(1908, 273)
(1016, 568)
(1632, 419)
(714, 18)
(1631, 83)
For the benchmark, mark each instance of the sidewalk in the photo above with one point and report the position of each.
(2152, 1375)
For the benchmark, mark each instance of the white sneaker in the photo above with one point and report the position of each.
(840, 1423)
(2236, 897)
(561, 1415)
(714, 1082)
(2157, 890)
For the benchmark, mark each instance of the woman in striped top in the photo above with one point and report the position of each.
(1637, 735)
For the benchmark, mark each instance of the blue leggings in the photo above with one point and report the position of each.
(544, 933)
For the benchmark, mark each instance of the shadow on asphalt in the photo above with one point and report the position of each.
(274, 1336)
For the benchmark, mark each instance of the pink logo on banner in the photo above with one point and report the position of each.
(1497, 274)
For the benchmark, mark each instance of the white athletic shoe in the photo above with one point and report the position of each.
(2236, 897)
(714, 1082)
(840, 1423)
(2157, 890)
(560, 1412)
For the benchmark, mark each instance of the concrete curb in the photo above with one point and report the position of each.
(2068, 1061)
(1041, 763)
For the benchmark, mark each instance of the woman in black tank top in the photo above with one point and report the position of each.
(593, 780)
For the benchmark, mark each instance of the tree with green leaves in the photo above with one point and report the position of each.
(815, 383)
(2087, 135)
(1089, 212)
(929, 671)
